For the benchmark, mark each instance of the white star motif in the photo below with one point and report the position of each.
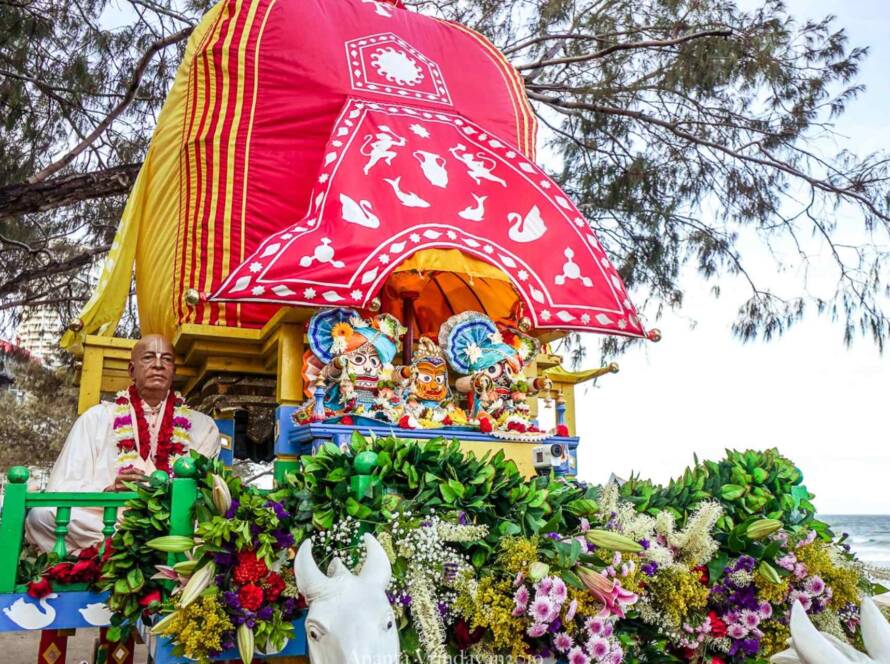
(511, 154)
(523, 275)
(414, 237)
(255, 267)
(545, 315)
(451, 235)
(420, 130)
(585, 318)
(323, 178)
(579, 222)
(622, 323)
(545, 184)
(488, 249)
(309, 293)
(383, 258)
(356, 294)
(258, 290)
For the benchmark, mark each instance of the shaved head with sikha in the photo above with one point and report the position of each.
(152, 365)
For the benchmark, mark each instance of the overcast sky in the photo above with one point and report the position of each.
(700, 390)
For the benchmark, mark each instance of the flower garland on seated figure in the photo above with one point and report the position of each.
(173, 434)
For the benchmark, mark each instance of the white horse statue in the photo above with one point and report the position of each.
(809, 646)
(350, 620)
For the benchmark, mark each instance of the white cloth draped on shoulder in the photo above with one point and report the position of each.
(89, 462)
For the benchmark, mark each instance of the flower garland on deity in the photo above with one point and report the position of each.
(173, 433)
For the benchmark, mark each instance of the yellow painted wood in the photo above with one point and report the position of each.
(90, 379)
(202, 349)
(520, 453)
(289, 386)
(219, 364)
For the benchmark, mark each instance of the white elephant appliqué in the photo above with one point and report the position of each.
(350, 620)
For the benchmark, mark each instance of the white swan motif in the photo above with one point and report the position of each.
(96, 614)
(474, 213)
(358, 213)
(28, 616)
(407, 198)
(529, 229)
(809, 646)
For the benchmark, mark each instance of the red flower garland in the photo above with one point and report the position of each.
(166, 446)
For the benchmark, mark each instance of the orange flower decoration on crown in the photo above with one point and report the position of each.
(342, 333)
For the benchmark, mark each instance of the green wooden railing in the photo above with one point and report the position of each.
(17, 500)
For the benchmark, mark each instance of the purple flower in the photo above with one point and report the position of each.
(233, 509)
(814, 586)
(553, 535)
(283, 538)
(562, 642)
(224, 559)
(645, 544)
(462, 518)
(442, 608)
(649, 568)
(289, 607)
(745, 563)
(405, 600)
(265, 613)
(555, 626)
(231, 600)
(182, 422)
(279, 510)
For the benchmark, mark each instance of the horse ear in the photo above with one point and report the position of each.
(337, 568)
(377, 568)
(310, 580)
(875, 632)
(811, 646)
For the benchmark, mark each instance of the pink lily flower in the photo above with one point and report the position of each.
(608, 591)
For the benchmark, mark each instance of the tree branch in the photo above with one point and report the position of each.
(24, 198)
(651, 43)
(53, 267)
(130, 94)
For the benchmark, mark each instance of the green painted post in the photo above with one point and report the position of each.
(12, 526)
(182, 499)
(63, 518)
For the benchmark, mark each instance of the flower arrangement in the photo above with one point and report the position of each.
(235, 586)
(487, 564)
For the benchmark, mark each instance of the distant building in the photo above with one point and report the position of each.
(38, 333)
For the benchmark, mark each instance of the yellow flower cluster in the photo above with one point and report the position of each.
(843, 578)
(775, 637)
(199, 628)
(675, 593)
(491, 607)
(517, 553)
(775, 593)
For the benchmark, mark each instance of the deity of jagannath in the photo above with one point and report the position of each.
(427, 396)
(352, 357)
(494, 381)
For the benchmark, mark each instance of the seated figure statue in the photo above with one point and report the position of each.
(145, 429)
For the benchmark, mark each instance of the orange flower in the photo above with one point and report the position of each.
(342, 330)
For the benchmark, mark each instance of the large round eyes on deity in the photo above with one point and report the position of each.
(426, 378)
(440, 379)
(494, 371)
(374, 362)
(359, 359)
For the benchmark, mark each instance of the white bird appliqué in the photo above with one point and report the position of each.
(474, 213)
(96, 614)
(809, 646)
(28, 616)
(407, 198)
(358, 213)
(529, 229)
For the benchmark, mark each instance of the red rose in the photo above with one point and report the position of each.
(464, 637)
(85, 571)
(273, 586)
(126, 445)
(60, 572)
(405, 422)
(40, 589)
(718, 627)
(153, 596)
(717, 660)
(88, 553)
(346, 419)
(122, 401)
(251, 597)
(249, 568)
(447, 421)
(562, 430)
(703, 575)
(485, 425)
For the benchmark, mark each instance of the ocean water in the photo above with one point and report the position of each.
(869, 535)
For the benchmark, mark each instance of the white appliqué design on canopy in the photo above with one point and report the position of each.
(400, 179)
(381, 8)
(386, 64)
(396, 66)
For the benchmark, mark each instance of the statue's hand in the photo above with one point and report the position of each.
(127, 476)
